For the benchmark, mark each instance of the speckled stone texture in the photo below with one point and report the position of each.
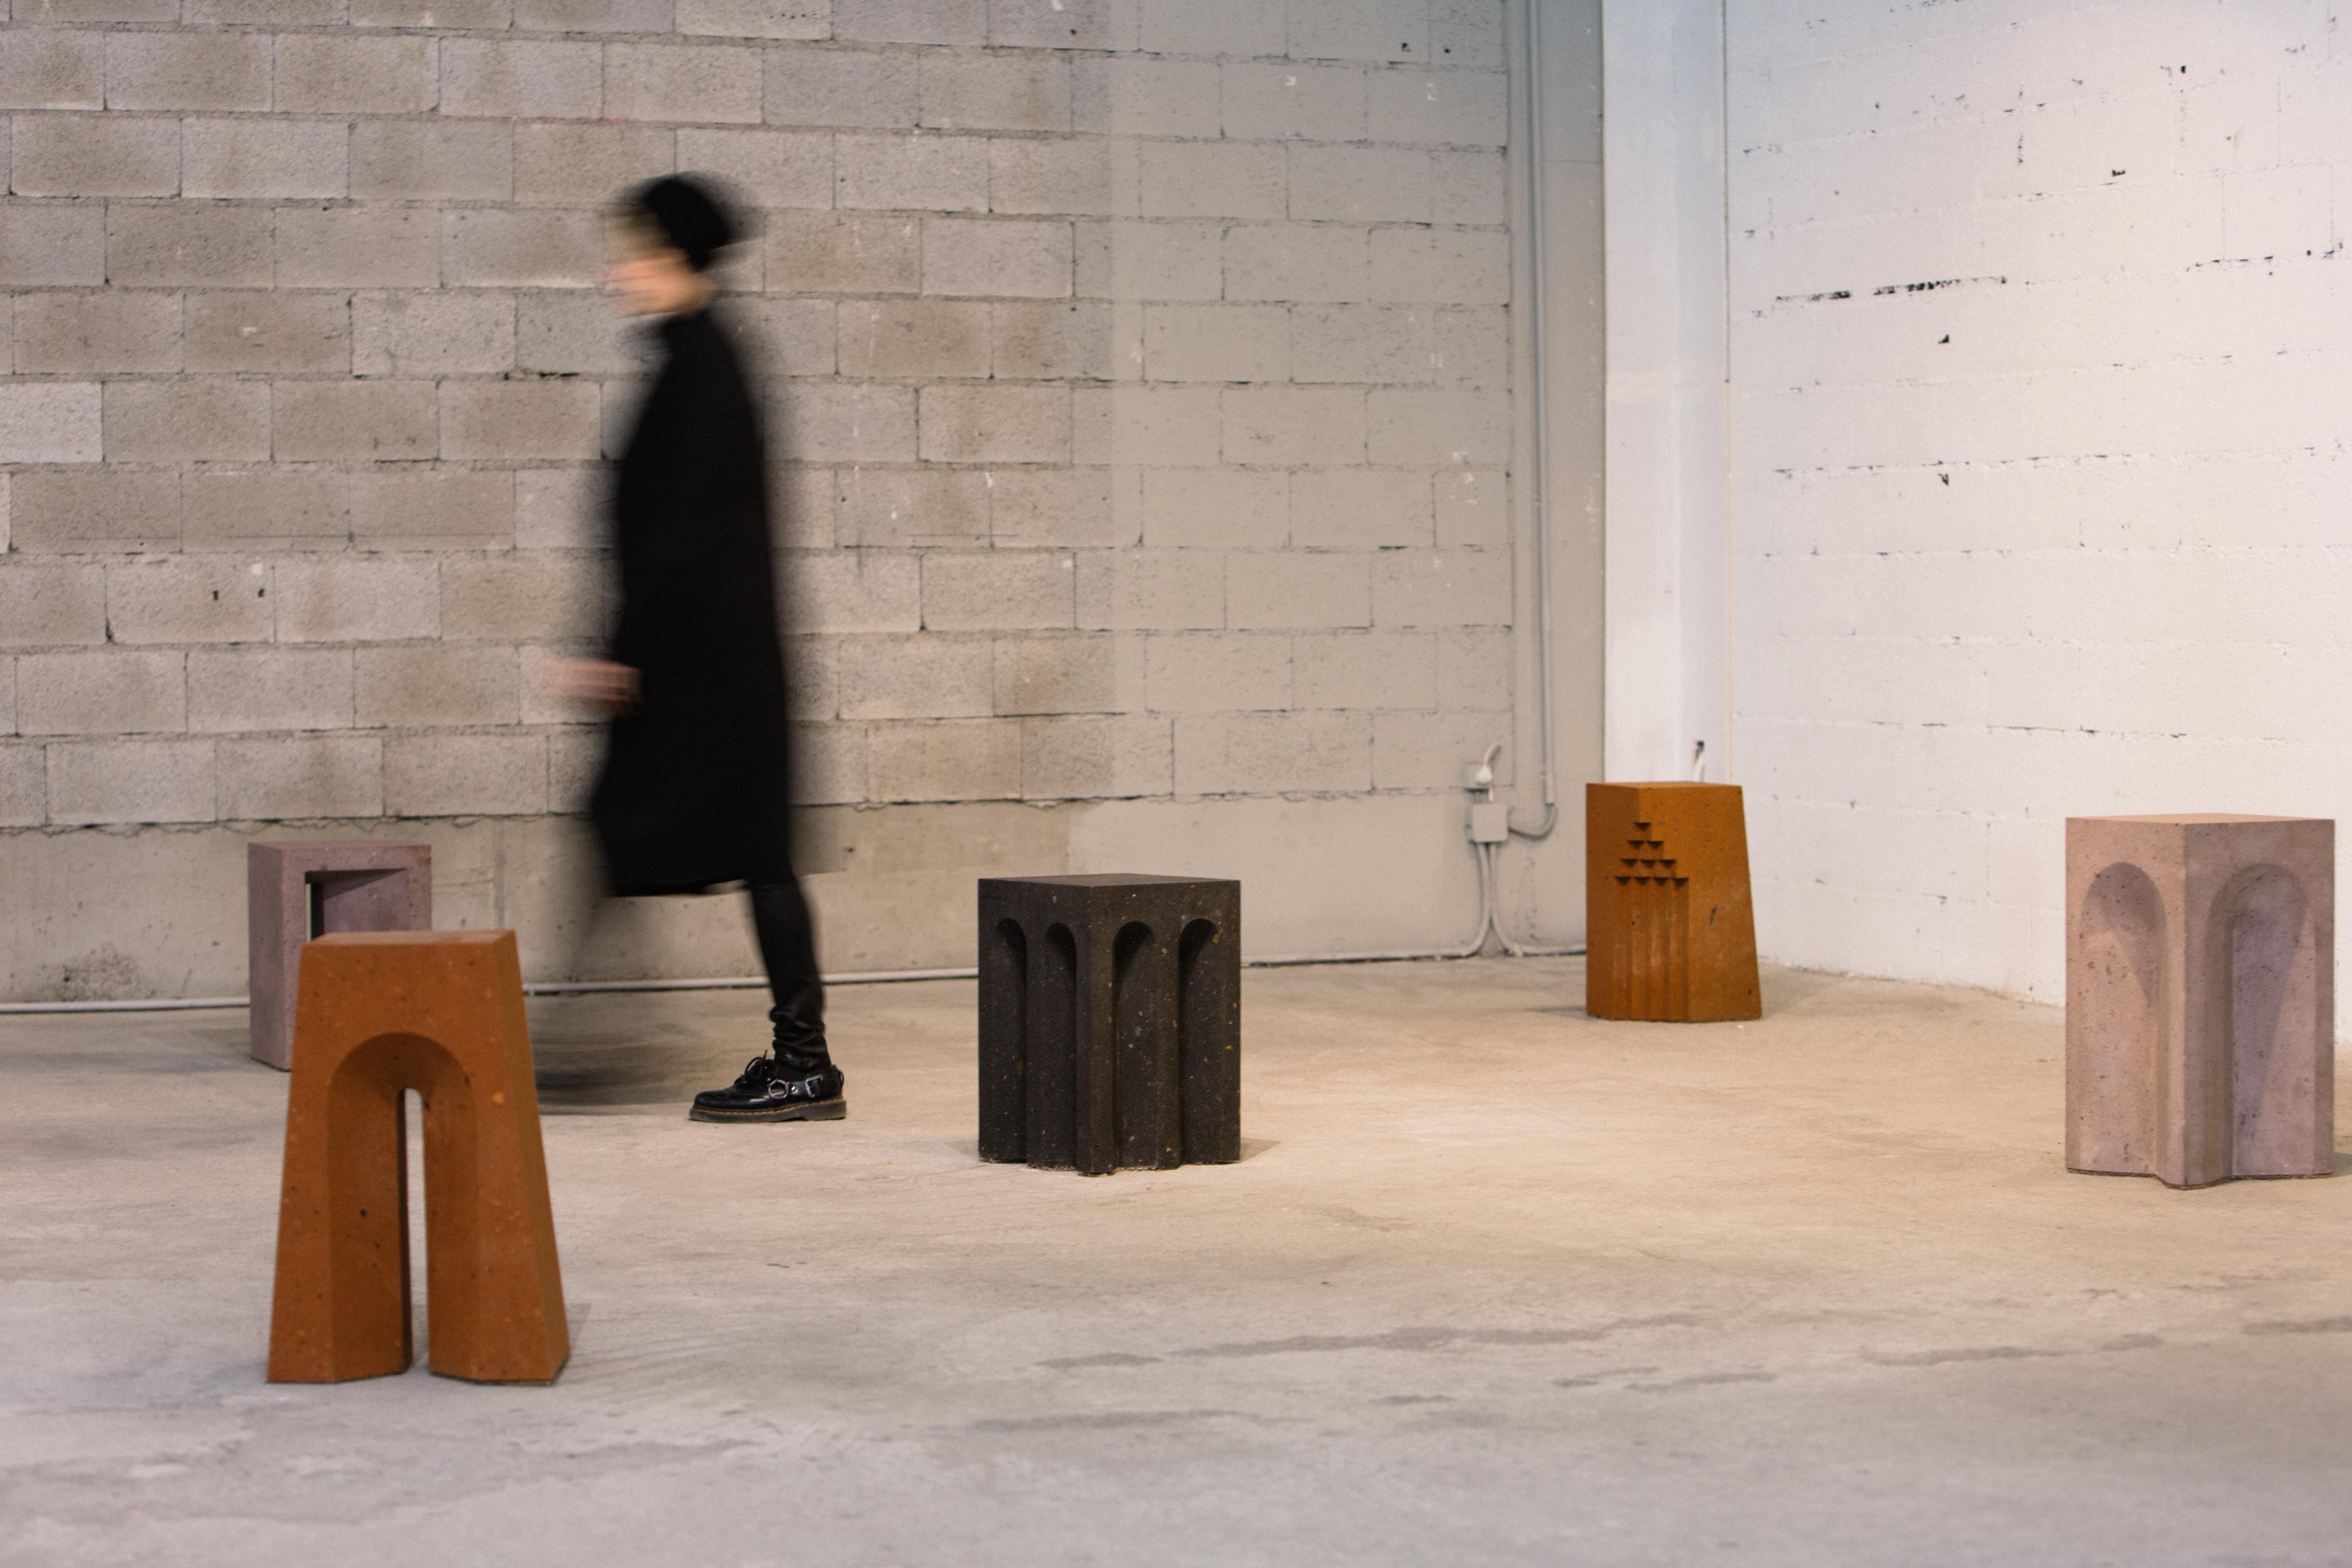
(1673, 925)
(2200, 981)
(295, 891)
(1111, 1022)
(440, 1012)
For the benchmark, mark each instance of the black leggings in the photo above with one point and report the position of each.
(780, 914)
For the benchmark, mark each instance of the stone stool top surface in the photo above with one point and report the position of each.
(354, 853)
(2197, 819)
(412, 938)
(1106, 879)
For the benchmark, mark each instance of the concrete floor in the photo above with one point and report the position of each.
(1497, 1283)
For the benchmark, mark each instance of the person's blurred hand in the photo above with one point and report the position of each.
(596, 683)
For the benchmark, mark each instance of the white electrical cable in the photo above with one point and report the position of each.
(1485, 903)
(1493, 853)
(736, 982)
(535, 988)
(755, 983)
(155, 1004)
(1489, 854)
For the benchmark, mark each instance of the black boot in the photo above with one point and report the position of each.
(770, 1091)
(797, 1082)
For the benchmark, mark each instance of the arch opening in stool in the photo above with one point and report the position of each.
(1053, 1065)
(2266, 944)
(2111, 1104)
(1147, 1123)
(1207, 1046)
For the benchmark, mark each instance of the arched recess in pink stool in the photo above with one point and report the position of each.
(441, 1012)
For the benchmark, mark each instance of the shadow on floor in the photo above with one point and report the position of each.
(1785, 991)
(603, 1054)
(579, 1076)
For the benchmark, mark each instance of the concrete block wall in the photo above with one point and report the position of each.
(1140, 387)
(2040, 372)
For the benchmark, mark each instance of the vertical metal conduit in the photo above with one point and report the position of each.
(1535, 237)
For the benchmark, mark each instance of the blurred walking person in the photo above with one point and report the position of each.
(694, 791)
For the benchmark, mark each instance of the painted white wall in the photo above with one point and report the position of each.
(1663, 170)
(2042, 364)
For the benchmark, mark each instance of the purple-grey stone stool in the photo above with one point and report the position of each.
(1111, 1022)
(295, 891)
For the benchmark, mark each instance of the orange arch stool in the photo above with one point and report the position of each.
(380, 1012)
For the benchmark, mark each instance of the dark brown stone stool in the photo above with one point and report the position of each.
(295, 891)
(441, 1012)
(1111, 1022)
(1673, 930)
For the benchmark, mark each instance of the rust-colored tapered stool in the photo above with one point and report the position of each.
(294, 891)
(2201, 997)
(439, 1012)
(1672, 928)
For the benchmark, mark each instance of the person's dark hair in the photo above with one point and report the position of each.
(684, 214)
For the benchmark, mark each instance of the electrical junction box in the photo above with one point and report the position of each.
(1490, 822)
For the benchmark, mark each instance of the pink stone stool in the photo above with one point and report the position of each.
(295, 891)
(2201, 997)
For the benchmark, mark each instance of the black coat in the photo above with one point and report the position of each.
(697, 781)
